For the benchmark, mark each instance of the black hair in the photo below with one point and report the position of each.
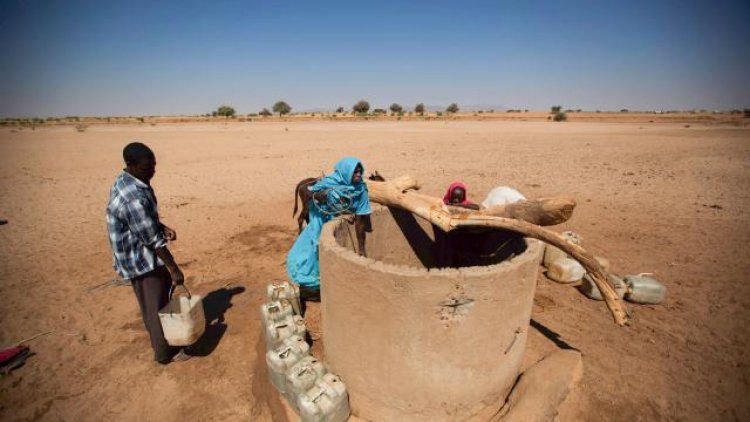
(134, 152)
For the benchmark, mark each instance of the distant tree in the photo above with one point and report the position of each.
(419, 108)
(362, 106)
(624, 110)
(265, 112)
(560, 117)
(282, 108)
(225, 111)
(396, 108)
(453, 108)
(340, 110)
(555, 109)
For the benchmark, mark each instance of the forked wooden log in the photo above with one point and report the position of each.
(541, 211)
(399, 193)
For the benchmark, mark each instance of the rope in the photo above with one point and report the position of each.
(336, 212)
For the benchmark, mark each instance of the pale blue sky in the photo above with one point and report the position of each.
(188, 57)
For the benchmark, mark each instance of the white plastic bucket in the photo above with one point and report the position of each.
(280, 359)
(182, 320)
(327, 401)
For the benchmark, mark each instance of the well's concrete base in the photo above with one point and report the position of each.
(542, 388)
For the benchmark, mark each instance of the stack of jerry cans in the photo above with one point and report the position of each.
(279, 360)
(327, 401)
(303, 380)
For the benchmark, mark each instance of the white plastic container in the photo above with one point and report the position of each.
(565, 270)
(327, 401)
(301, 377)
(183, 320)
(552, 253)
(275, 311)
(277, 331)
(644, 290)
(288, 291)
(588, 287)
(279, 360)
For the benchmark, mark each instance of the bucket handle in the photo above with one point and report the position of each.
(171, 292)
(172, 289)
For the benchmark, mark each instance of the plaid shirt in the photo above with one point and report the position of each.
(134, 228)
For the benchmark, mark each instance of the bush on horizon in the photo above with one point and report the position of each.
(265, 112)
(453, 108)
(396, 108)
(282, 108)
(560, 117)
(225, 111)
(362, 106)
(555, 109)
(419, 108)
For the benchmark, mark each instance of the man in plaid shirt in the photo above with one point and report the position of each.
(139, 244)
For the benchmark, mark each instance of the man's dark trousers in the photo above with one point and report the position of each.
(152, 291)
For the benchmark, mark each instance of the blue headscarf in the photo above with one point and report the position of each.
(340, 188)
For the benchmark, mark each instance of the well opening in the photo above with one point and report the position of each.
(400, 238)
(416, 335)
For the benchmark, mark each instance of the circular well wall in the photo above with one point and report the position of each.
(414, 341)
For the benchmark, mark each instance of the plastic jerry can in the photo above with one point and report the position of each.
(327, 401)
(277, 331)
(552, 253)
(588, 287)
(645, 290)
(565, 270)
(301, 377)
(275, 311)
(279, 360)
(288, 291)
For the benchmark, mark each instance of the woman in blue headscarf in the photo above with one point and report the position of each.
(341, 192)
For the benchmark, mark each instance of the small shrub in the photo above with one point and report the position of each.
(419, 108)
(746, 113)
(282, 108)
(81, 127)
(560, 117)
(361, 106)
(225, 111)
(265, 112)
(453, 108)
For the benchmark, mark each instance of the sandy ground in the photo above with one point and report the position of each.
(653, 197)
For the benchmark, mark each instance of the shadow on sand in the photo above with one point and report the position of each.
(215, 304)
(552, 336)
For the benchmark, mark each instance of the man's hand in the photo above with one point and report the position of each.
(169, 234)
(178, 279)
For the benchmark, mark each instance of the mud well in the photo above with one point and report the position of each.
(416, 341)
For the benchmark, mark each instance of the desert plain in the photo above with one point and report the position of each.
(660, 197)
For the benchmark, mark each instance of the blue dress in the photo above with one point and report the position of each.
(342, 196)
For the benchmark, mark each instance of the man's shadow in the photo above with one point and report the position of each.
(215, 304)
